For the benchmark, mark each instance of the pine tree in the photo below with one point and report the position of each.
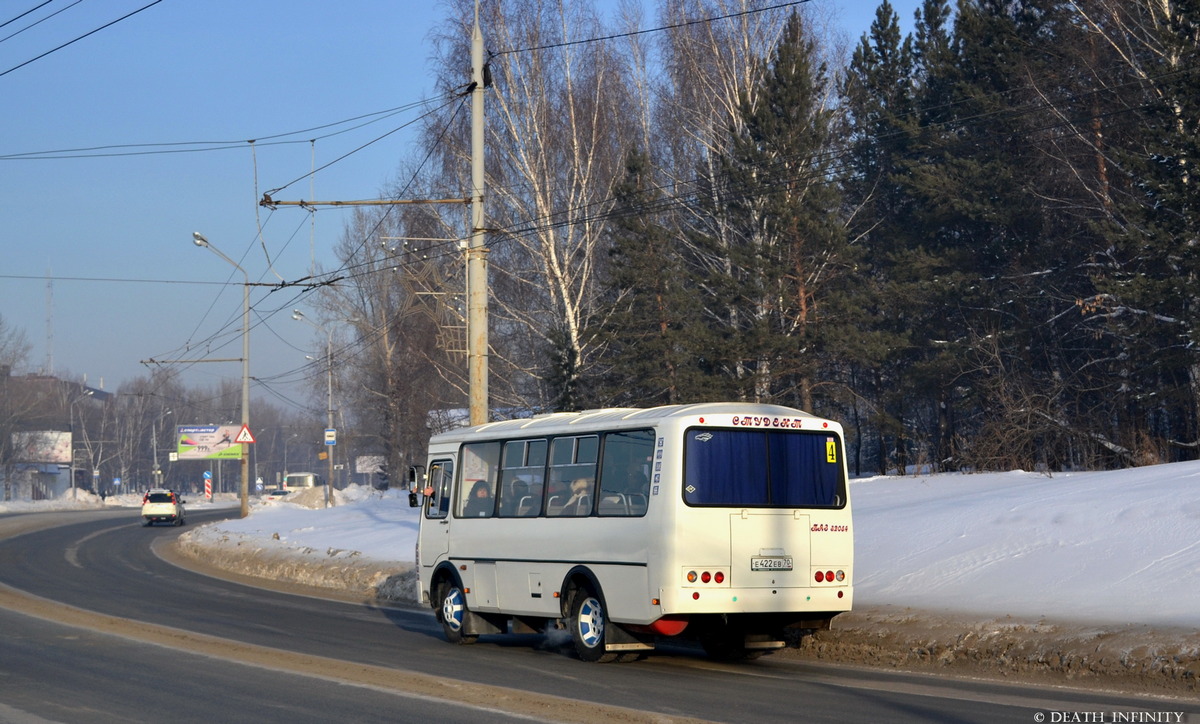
(1149, 287)
(653, 341)
(788, 250)
(878, 95)
(970, 278)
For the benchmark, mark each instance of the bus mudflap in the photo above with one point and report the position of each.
(479, 624)
(619, 638)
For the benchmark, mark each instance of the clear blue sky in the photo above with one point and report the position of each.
(187, 71)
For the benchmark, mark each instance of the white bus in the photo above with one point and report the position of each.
(293, 481)
(727, 523)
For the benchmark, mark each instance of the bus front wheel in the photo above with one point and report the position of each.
(588, 626)
(454, 614)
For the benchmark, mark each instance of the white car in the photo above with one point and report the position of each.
(272, 495)
(162, 506)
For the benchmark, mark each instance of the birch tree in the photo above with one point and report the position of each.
(555, 137)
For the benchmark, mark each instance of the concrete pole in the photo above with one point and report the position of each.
(329, 411)
(477, 281)
(245, 489)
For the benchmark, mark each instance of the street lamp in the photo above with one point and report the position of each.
(199, 240)
(299, 316)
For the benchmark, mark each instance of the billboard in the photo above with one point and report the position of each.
(208, 442)
(369, 464)
(47, 446)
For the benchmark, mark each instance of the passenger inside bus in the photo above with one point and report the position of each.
(510, 499)
(530, 504)
(580, 502)
(624, 493)
(479, 504)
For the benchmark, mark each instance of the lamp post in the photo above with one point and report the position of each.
(199, 240)
(299, 316)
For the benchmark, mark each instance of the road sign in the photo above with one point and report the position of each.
(244, 435)
(330, 436)
(208, 475)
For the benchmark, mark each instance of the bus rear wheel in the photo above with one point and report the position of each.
(588, 626)
(453, 615)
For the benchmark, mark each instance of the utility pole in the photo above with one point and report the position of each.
(477, 281)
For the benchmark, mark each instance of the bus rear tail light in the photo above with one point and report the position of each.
(711, 577)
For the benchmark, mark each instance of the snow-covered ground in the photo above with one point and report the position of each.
(1115, 547)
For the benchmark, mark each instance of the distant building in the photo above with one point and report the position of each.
(39, 416)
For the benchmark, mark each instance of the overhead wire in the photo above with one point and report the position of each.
(38, 22)
(304, 288)
(30, 10)
(359, 148)
(205, 146)
(81, 37)
(634, 33)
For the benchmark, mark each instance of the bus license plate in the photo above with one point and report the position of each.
(770, 563)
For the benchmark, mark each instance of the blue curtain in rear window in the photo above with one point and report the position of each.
(801, 475)
(726, 468)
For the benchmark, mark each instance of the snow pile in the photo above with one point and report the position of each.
(1111, 547)
(76, 499)
(363, 545)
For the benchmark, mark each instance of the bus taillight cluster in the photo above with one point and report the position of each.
(830, 576)
(717, 577)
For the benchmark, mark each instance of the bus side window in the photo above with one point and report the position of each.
(572, 476)
(522, 469)
(437, 502)
(478, 471)
(625, 473)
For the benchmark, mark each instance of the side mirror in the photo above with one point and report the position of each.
(412, 500)
(416, 475)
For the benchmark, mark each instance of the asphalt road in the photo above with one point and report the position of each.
(141, 639)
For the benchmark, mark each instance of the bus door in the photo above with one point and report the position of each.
(435, 528)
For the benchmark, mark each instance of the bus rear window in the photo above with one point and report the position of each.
(763, 469)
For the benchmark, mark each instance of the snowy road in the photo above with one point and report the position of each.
(112, 572)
